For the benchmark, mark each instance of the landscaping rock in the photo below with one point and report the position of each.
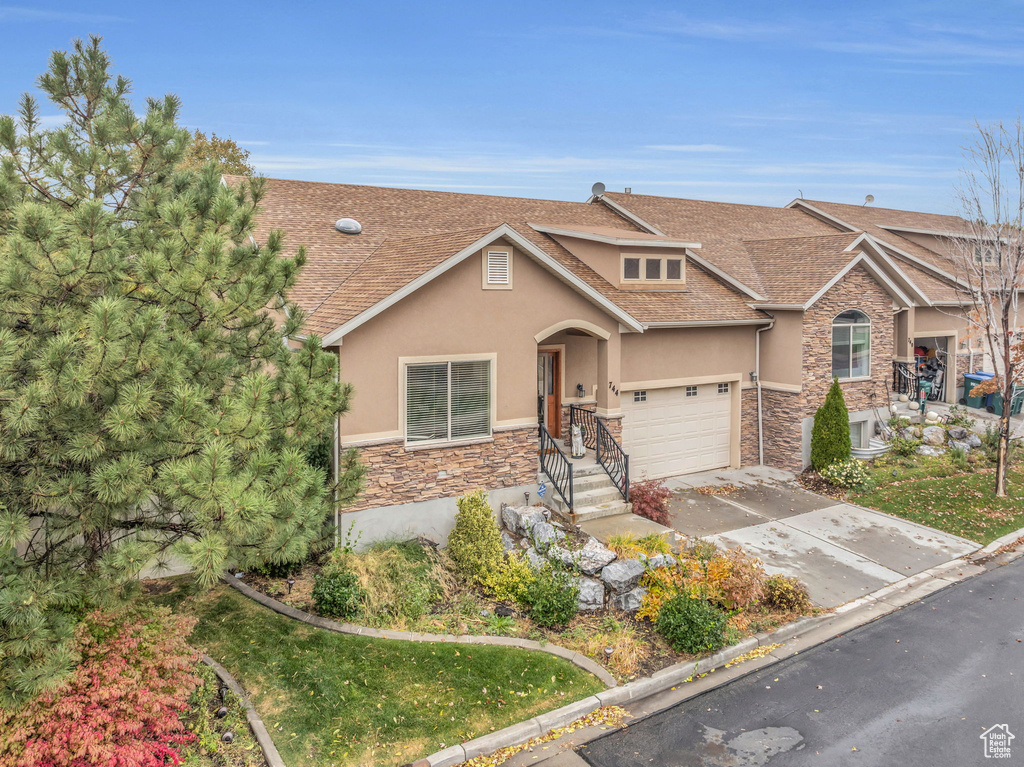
(507, 541)
(591, 594)
(592, 557)
(544, 534)
(934, 436)
(931, 450)
(629, 601)
(910, 432)
(954, 444)
(973, 440)
(528, 518)
(958, 433)
(661, 560)
(536, 560)
(509, 518)
(623, 575)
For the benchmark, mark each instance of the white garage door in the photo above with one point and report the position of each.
(678, 430)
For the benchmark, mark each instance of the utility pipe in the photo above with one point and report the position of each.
(757, 381)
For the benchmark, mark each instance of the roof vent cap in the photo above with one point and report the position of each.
(348, 226)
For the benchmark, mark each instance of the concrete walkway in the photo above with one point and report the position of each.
(841, 551)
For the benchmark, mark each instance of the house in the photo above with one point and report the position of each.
(687, 335)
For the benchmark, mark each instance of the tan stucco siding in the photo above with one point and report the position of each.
(602, 257)
(579, 363)
(930, 320)
(781, 350)
(452, 315)
(674, 353)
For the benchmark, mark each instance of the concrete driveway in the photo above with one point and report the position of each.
(839, 550)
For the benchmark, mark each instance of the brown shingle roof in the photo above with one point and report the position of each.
(406, 232)
(794, 269)
(722, 228)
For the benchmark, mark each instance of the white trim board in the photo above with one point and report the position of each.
(625, 213)
(709, 267)
(335, 336)
(625, 240)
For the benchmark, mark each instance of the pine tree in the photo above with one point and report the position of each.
(148, 402)
(830, 437)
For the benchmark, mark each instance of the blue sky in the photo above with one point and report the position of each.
(740, 102)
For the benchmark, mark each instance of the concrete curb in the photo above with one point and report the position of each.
(255, 723)
(889, 598)
(575, 658)
(660, 681)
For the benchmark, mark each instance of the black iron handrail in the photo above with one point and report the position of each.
(587, 421)
(613, 458)
(904, 378)
(557, 467)
(610, 455)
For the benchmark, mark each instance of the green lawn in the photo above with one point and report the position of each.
(335, 699)
(936, 494)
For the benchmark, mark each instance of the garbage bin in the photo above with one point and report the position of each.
(1016, 403)
(970, 381)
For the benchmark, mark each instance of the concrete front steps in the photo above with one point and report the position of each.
(594, 494)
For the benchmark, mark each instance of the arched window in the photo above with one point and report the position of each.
(851, 345)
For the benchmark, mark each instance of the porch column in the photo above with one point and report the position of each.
(608, 375)
(903, 335)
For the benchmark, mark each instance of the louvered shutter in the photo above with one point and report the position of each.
(426, 402)
(498, 267)
(471, 399)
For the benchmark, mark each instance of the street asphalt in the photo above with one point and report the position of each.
(918, 687)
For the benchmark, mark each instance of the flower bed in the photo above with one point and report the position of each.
(553, 584)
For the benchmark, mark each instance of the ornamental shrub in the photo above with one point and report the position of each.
(474, 545)
(830, 437)
(554, 597)
(512, 581)
(120, 706)
(337, 593)
(692, 625)
(650, 499)
(903, 446)
(846, 474)
(785, 592)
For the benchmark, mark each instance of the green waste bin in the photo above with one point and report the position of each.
(1016, 403)
(970, 381)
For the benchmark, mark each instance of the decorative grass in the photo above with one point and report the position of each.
(336, 699)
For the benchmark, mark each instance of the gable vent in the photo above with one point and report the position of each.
(498, 267)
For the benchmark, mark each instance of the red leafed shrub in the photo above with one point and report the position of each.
(120, 706)
(650, 499)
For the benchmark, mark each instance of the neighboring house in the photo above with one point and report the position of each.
(464, 320)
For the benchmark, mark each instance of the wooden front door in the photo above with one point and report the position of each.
(549, 390)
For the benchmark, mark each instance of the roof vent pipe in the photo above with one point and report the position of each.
(629, 190)
(348, 226)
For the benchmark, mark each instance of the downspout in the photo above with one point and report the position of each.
(336, 460)
(757, 381)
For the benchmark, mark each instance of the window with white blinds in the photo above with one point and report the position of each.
(447, 400)
(498, 269)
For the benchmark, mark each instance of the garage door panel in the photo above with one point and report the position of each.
(671, 433)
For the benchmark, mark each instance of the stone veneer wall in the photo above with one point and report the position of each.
(784, 412)
(396, 474)
(748, 428)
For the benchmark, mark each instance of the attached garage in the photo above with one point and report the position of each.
(678, 429)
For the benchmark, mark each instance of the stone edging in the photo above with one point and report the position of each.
(575, 658)
(255, 723)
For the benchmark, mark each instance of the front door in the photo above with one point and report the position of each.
(549, 390)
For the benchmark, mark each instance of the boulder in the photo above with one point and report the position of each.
(591, 594)
(914, 405)
(661, 560)
(507, 541)
(930, 450)
(544, 534)
(629, 601)
(934, 436)
(592, 557)
(958, 433)
(623, 575)
(903, 398)
(529, 517)
(536, 560)
(954, 445)
(973, 440)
